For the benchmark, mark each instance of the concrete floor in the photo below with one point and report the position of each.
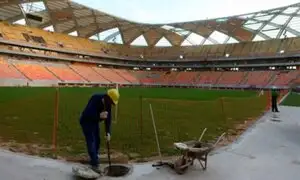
(268, 150)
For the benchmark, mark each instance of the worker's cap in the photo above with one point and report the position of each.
(114, 95)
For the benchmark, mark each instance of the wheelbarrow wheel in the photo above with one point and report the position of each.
(178, 165)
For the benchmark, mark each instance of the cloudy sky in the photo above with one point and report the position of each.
(164, 11)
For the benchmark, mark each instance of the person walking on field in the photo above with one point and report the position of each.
(98, 109)
(275, 95)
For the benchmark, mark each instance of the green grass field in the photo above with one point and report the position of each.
(292, 100)
(27, 116)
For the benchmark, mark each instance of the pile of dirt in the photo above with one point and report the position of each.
(30, 149)
(115, 157)
(234, 133)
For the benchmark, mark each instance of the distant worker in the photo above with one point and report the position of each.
(275, 95)
(97, 110)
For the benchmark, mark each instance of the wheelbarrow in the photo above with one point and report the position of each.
(191, 151)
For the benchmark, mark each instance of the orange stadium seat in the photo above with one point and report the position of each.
(297, 81)
(284, 78)
(64, 73)
(9, 72)
(186, 77)
(259, 78)
(89, 73)
(149, 77)
(167, 77)
(231, 78)
(127, 76)
(110, 75)
(35, 72)
(208, 77)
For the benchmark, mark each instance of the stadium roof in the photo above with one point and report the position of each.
(75, 19)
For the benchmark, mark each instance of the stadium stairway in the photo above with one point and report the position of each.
(111, 75)
(57, 77)
(79, 74)
(35, 72)
(141, 76)
(168, 77)
(231, 78)
(8, 71)
(245, 78)
(296, 82)
(218, 77)
(149, 77)
(272, 78)
(126, 75)
(172, 77)
(284, 78)
(209, 77)
(186, 77)
(65, 74)
(258, 78)
(88, 73)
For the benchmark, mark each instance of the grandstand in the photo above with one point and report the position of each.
(258, 50)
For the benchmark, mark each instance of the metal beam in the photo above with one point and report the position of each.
(74, 18)
(111, 36)
(134, 37)
(16, 2)
(104, 27)
(24, 14)
(51, 18)
(287, 23)
(295, 15)
(258, 33)
(280, 26)
(95, 19)
(212, 40)
(226, 40)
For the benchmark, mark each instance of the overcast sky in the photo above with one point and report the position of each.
(164, 11)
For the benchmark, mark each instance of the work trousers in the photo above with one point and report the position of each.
(91, 132)
(274, 104)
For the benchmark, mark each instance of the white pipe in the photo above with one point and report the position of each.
(154, 127)
(116, 107)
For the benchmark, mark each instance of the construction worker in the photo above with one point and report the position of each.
(97, 110)
(274, 100)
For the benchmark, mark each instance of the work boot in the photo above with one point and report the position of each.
(97, 169)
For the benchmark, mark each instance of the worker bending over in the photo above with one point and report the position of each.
(97, 110)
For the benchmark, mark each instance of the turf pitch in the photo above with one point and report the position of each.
(27, 116)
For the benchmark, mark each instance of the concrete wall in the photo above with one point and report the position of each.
(13, 82)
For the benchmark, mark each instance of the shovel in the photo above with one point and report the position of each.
(108, 155)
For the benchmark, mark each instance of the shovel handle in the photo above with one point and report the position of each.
(108, 153)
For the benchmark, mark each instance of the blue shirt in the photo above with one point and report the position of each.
(93, 109)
